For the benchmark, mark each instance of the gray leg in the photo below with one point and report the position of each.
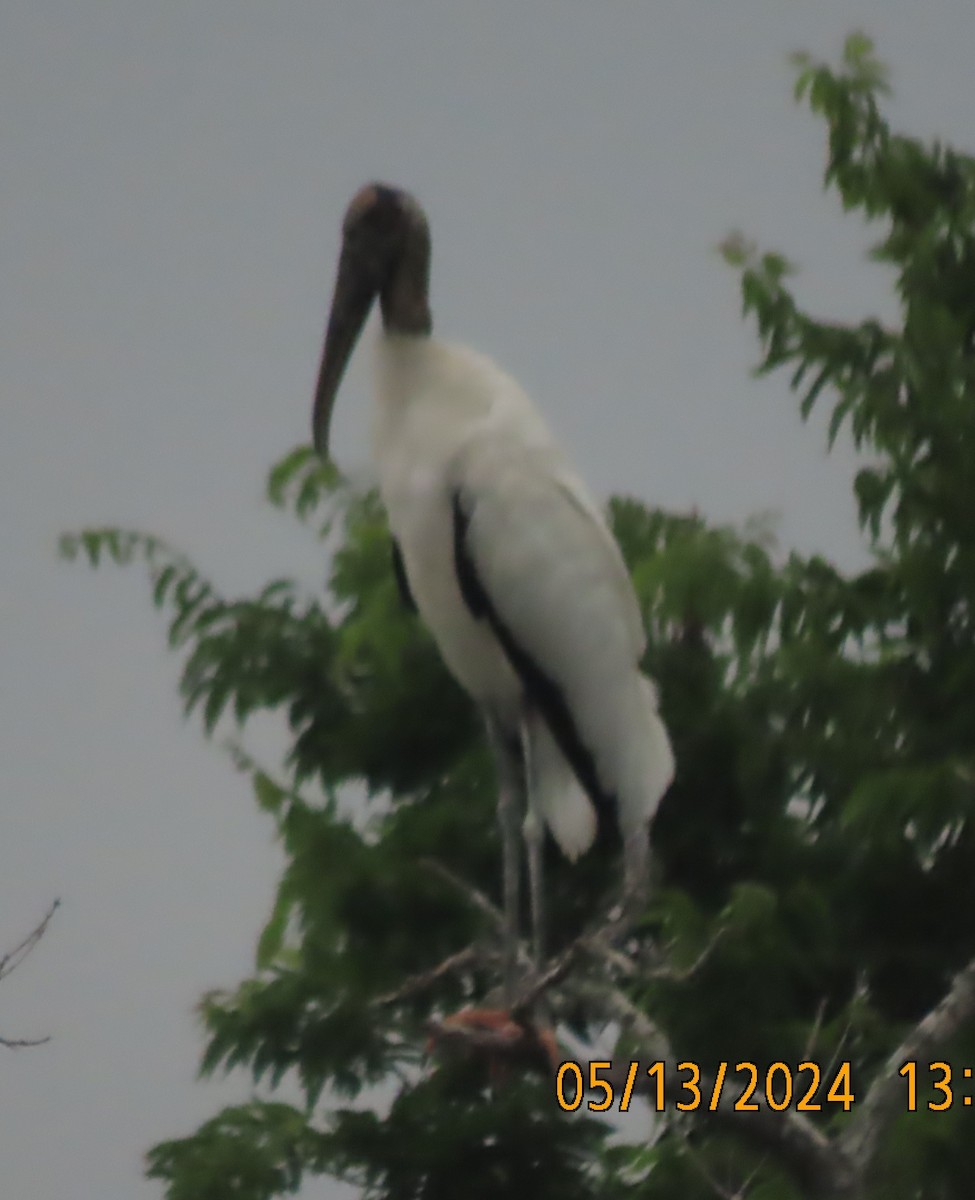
(507, 754)
(534, 830)
(636, 884)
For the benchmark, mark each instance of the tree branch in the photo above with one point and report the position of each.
(20, 1043)
(815, 1158)
(884, 1098)
(823, 1165)
(9, 963)
(468, 957)
(474, 895)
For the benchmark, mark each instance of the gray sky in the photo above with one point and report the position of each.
(173, 180)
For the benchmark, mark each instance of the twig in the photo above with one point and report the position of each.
(811, 1153)
(743, 1190)
(425, 979)
(554, 974)
(651, 1038)
(683, 974)
(884, 1096)
(859, 991)
(610, 955)
(696, 1159)
(814, 1030)
(473, 894)
(10, 961)
(829, 1166)
(815, 1158)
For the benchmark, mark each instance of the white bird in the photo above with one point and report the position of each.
(505, 554)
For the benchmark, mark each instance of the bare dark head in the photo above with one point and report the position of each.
(385, 254)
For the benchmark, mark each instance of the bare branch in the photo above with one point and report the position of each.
(652, 1040)
(474, 895)
(10, 961)
(20, 1043)
(859, 993)
(696, 1159)
(884, 1100)
(554, 974)
(683, 974)
(454, 963)
(814, 1030)
(816, 1159)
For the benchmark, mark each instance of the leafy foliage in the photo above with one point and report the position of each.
(816, 851)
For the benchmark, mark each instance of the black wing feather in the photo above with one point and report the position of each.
(402, 583)
(543, 692)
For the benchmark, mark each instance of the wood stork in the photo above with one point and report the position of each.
(503, 551)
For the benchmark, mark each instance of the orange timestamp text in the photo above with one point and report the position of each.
(742, 1086)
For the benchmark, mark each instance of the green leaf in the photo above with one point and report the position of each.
(164, 580)
(297, 462)
(91, 541)
(814, 851)
(271, 941)
(857, 48)
(269, 795)
(812, 393)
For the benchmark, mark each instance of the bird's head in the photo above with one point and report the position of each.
(385, 254)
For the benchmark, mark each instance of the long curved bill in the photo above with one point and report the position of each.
(352, 299)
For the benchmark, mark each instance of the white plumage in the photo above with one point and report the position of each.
(448, 422)
(505, 553)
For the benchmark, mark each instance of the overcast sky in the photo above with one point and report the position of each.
(173, 178)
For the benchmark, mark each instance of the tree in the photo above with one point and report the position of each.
(816, 902)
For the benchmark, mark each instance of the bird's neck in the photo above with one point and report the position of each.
(405, 297)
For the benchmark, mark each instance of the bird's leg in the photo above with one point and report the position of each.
(507, 753)
(534, 833)
(535, 842)
(636, 879)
